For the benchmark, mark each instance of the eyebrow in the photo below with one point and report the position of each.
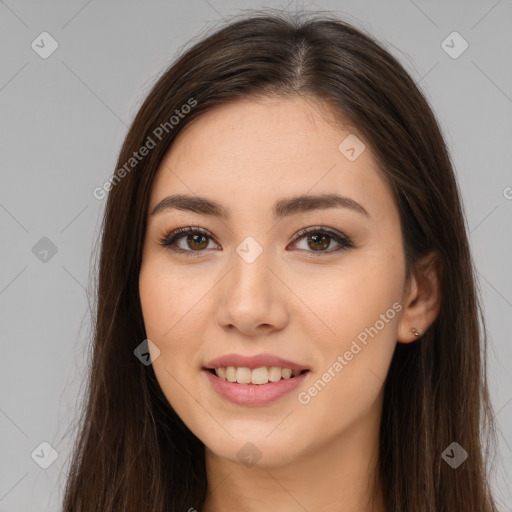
(282, 208)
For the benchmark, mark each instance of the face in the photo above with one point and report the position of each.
(252, 282)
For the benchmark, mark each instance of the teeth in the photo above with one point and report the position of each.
(261, 375)
(230, 373)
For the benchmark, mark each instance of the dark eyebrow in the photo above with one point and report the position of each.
(282, 208)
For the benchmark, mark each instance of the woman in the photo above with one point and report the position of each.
(284, 242)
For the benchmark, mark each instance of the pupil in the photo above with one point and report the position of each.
(316, 245)
(194, 237)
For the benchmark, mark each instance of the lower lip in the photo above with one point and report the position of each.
(254, 394)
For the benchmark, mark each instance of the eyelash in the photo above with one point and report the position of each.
(169, 239)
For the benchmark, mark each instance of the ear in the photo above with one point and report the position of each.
(422, 298)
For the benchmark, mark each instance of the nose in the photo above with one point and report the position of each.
(252, 299)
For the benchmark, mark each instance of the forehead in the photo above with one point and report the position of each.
(261, 150)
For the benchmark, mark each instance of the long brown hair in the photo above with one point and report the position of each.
(133, 453)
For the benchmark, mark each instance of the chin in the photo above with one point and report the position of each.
(251, 451)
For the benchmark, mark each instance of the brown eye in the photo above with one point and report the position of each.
(318, 240)
(197, 242)
(189, 241)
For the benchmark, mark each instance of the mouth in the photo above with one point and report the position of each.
(255, 387)
(257, 376)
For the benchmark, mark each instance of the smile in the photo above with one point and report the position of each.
(261, 375)
(240, 385)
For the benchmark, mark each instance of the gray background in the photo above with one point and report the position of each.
(64, 118)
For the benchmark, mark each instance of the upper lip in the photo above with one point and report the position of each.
(252, 362)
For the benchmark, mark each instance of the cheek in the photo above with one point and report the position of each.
(156, 308)
(361, 306)
(172, 324)
(349, 381)
(168, 298)
(171, 309)
(344, 300)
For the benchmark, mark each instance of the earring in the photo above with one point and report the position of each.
(415, 332)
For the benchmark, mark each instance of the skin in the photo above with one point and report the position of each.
(318, 456)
